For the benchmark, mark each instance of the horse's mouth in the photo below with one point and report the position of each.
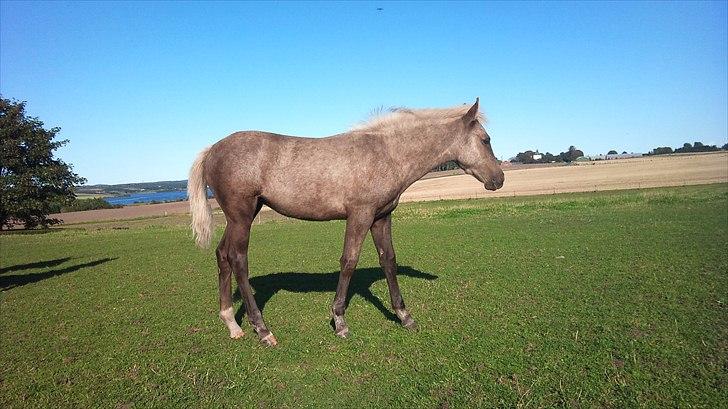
(492, 185)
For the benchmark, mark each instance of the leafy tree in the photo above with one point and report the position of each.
(696, 147)
(32, 181)
(624, 152)
(662, 150)
(612, 152)
(571, 154)
(725, 147)
(525, 157)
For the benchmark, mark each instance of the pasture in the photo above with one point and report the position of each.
(613, 299)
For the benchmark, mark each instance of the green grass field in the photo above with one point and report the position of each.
(613, 299)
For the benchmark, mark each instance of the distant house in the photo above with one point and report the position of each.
(537, 156)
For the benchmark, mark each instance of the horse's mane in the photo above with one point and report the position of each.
(399, 118)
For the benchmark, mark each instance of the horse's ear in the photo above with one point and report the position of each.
(472, 114)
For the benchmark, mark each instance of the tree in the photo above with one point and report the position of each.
(612, 152)
(571, 154)
(525, 157)
(662, 150)
(32, 181)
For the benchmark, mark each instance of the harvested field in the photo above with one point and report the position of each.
(635, 173)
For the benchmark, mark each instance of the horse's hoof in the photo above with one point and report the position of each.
(343, 333)
(238, 333)
(410, 324)
(269, 340)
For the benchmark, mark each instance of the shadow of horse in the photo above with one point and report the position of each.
(38, 264)
(16, 280)
(268, 285)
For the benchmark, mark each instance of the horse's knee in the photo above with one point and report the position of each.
(238, 259)
(348, 263)
(387, 257)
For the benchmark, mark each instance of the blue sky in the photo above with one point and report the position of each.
(139, 88)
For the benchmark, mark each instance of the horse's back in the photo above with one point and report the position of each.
(309, 178)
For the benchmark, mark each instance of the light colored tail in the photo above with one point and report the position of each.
(199, 207)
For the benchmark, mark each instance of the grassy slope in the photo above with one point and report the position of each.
(607, 299)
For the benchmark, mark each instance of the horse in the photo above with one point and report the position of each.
(357, 176)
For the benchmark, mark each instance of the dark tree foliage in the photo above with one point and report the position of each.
(662, 150)
(688, 148)
(612, 152)
(32, 181)
(568, 156)
(696, 147)
(526, 157)
(571, 154)
(449, 165)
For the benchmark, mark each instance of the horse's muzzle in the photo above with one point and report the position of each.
(494, 183)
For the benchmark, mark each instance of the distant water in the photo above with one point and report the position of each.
(147, 197)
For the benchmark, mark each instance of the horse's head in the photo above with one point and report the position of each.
(476, 155)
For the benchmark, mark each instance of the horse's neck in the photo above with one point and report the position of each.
(421, 151)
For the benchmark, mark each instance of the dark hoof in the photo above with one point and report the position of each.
(410, 324)
(269, 340)
(343, 333)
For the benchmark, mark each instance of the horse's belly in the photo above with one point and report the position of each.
(306, 207)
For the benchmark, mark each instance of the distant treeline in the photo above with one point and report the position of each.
(530, 156)
(687, 148)
(78, 205)
(127, 188)
(449, 165)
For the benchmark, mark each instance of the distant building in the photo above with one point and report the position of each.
(614, 156)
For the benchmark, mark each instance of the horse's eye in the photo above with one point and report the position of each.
(485, 141)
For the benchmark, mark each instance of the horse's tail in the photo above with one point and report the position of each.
(199, 207)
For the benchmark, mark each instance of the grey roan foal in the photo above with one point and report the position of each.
(357, 176)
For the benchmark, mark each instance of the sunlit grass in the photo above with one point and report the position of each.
(591, 299)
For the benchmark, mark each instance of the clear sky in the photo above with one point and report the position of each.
(139, 88)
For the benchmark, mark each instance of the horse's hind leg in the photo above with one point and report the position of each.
(225, 274)
(382, 235)
(237, 238)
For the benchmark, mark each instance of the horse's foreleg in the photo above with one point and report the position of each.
(226, 305)
(356, 229)
(382, 235)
